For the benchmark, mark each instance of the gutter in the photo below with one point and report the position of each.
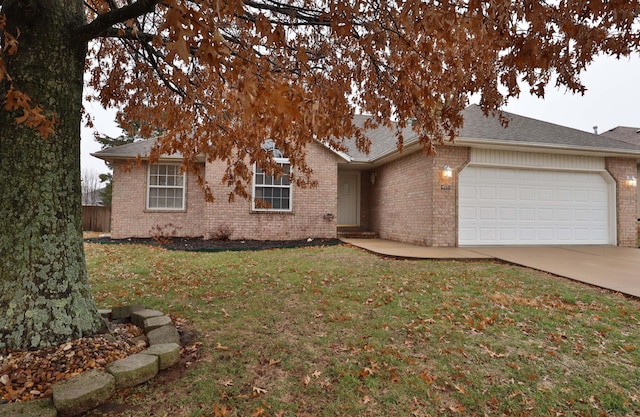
(546, 148)
(111, 157)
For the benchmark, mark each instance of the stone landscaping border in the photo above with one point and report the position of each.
(95, 387)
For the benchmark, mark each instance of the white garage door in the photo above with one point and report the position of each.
(500, 206)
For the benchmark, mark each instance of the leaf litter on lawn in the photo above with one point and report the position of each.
(387, 336)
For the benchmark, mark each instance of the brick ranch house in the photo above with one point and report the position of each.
(531, 183)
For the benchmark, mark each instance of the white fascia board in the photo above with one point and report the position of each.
(395, 153)
(341, 154)
(164, 158)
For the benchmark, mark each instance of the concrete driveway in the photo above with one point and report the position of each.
(610, 267)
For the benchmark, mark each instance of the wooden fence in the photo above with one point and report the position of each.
(96, 219)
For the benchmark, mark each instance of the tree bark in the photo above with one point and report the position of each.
(44, 291)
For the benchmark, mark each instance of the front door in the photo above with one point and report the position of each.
(348, 198)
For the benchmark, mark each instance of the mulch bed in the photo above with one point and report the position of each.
(30, 375)
(214, 245)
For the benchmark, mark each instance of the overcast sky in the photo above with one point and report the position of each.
(612, 99)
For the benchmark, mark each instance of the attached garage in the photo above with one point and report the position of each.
(527, 205)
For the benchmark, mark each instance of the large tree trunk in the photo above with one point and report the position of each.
(44, 291)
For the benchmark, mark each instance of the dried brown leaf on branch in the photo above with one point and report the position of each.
(224, 76)
(221, 77)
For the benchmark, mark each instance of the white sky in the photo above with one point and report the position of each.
(612, 99)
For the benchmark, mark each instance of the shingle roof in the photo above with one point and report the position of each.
(480, 129)
(477, 130)
(625, 134)
(131, 150)
(383, 141)
(525, 130)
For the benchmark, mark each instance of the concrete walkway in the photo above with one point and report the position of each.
(610, 267)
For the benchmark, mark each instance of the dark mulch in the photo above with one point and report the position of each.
(214, 245)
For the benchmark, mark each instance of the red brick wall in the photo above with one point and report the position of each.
(445, 194)
(626, 199)
(309, 206)
(129, 217)
(411, 201)
(306, 220)
(401, 200)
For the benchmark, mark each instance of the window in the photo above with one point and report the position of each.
(166, 187)
(272, 193)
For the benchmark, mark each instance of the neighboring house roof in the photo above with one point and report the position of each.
(478, 131)
(625, 134)
(93, 197)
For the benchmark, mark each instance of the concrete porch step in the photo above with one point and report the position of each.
(356, 234)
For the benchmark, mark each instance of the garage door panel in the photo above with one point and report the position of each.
(508, 193)
(487, 193)
(468, 213)
(598, 215)
(564, 234)
(527, 234)
(526, 193)
(508, 213)
(487, 213)
(565, 215)
(527, 214)
(467, 234)
(598, 196)
(582, 234)
(527, 206)
(467, 194)
(506, 175)
(545, 234)
(600, 233)
(545, 194)
(508, 233)
(564, 195)
(582, 215)
(545, 215)
(487, 234)
(581, 196)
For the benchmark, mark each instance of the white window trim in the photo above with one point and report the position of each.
(149, 186)
(253, 190)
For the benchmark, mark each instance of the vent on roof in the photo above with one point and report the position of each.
(638, 131)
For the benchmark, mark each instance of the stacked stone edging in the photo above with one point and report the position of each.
(88, 390)
(83, 392)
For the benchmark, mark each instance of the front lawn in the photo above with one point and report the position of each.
(336, 331)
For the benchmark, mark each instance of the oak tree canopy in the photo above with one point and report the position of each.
(222, 76)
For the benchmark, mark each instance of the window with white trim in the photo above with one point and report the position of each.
(165, 187)
(272, 193)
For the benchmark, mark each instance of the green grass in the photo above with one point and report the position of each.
(339, 332)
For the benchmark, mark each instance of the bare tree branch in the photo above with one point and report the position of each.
(126, 34)
(305, 16)
(105, 22)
